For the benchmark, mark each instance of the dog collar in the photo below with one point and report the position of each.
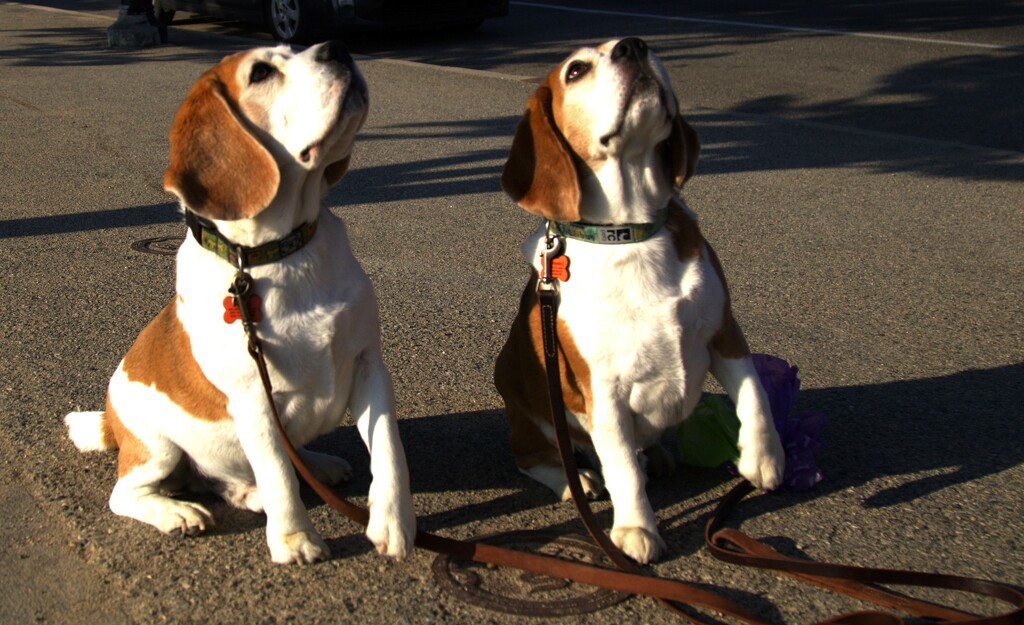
(613, 234)
(207, 235)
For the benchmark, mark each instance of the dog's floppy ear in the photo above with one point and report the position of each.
(336, 171)
(681, 150)
(540, 174)
(219, 168)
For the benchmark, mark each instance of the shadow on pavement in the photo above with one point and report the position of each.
(939, 99)
(948, 430)
(94, 220)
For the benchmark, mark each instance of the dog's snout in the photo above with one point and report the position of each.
(632, 48)
(333, 52)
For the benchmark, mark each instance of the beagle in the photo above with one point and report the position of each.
(255, 145)
(644, 313)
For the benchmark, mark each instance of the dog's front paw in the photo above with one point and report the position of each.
(762, 459)
(298, 548)
(642, 545)
(392, 526)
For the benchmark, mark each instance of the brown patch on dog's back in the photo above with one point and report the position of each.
(162, 357)
(574, 370)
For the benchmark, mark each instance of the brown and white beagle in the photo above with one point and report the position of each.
(254, 147)
(601, 153)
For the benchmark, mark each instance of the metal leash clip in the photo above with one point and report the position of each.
(246, 302)
(554, 247)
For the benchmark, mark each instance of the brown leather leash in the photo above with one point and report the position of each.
(733, 546)
(725, 544)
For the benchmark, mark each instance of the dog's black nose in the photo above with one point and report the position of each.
(630, 48)
(333, 52)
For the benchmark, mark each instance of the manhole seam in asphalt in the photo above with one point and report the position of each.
(165, 246)
(528, 594)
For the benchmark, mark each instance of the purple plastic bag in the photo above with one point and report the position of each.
(801, 434)
(708, 438)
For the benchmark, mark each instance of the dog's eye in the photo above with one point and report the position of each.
(261, 72)
(577, 70)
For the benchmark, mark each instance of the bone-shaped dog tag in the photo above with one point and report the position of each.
(233, 313)
(560, 268)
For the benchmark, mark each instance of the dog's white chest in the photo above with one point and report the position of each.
(315, 314)
(642, 320)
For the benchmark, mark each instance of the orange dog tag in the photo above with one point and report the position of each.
(233, 313)
(559, 268)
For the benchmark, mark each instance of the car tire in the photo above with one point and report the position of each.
(163, 15)
(289, 21)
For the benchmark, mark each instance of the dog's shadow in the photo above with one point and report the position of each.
(921, 435)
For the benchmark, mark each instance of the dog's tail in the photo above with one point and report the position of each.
(89, 431)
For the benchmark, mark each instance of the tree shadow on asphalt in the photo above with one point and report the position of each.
(736, 143)
(133, 216)
(465, 173)
(894, 16)
(915, 17)
(944, 103)
(962, 99)
(527, 36)
(957, 100)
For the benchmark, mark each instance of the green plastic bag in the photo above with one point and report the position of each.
(708, 438)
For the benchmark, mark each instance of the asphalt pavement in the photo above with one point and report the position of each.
(862, 179)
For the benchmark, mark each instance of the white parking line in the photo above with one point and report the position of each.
(794, 29)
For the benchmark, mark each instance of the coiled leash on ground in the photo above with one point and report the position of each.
(726, 544)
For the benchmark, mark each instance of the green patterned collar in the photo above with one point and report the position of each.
(206, 233)
(612, 234)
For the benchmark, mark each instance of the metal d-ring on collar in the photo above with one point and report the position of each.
(554, 246)
(241, 291)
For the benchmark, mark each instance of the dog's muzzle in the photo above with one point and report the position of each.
(630, 48)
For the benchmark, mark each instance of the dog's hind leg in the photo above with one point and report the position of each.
(328, 469)
(537, 457)
(331, 470)
(142, 469)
